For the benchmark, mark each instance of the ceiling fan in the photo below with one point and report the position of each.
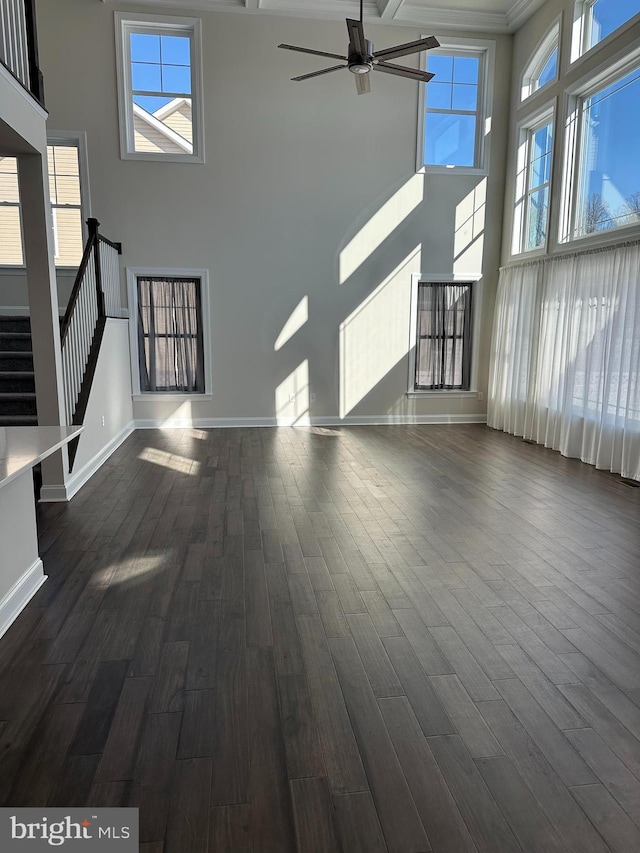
(361, 58)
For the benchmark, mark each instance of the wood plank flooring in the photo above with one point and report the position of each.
(336, 640)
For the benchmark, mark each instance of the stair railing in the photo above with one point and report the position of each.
(95, 296)
(19, 44)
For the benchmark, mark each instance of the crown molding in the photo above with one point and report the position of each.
(398, 12)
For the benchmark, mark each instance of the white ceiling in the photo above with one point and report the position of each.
(497, 16)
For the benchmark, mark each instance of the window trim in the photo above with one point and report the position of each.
(539, 58)
(485, 49)
(525, 128)
(133, 273)
(127, 22)
(576, 95)
(474, 279)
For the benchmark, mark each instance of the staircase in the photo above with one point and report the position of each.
(17, 385)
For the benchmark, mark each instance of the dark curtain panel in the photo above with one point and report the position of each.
(443, 345)
(170, 335)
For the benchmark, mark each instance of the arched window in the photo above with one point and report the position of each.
(543, 66)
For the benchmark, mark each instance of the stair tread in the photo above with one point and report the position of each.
(18, 374)
(17, 395)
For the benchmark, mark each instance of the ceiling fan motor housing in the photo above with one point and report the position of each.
(360, 63)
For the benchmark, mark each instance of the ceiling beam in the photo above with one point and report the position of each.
(388, 8)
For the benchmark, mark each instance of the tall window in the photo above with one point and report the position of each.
(533, 184)
(597, 19)
(66, 202)
(453, 109)
(10, 223)
(160, 100)
(607, 182)
(443, 337)
(170, 334)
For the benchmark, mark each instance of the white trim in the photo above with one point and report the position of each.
(485, 50)
(132, 274)
(331, 420)
(9, 78)
(16, 599)
(580, 33)
(125, 22)
(64, 492)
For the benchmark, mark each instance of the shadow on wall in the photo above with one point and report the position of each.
(372, 287)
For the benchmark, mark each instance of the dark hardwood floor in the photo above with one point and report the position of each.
(365, 639)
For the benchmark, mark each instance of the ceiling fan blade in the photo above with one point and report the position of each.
(363, 83)
(309, 50)
(318, 73)
(356, 36)
(409, 47)
(401, 71)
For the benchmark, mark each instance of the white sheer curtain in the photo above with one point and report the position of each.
(565, 356)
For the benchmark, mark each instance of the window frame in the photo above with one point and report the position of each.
(130, 22)
(484, 49)
(524, 131)
(76, 139)
(541, 55)
(133, 273)
(476, 282)
(581, 31)
(583, 89)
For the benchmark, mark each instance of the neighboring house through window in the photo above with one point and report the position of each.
(11, 253)
(169, 332)
(159, 88)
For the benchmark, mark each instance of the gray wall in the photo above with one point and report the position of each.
(293, 172)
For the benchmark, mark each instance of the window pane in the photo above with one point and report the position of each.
(549, 70)
(439, 96)
(441, 66)
(150, 103)
(176, 50)
(465, 97)
(9, 179)
(465, 69)
(450, 139)
(145, 48)
(540, 170)
(443, 346)
(176, 79)
(168, 130)
(146, 78)
(609, 177)
(538, 216)
(607, 15)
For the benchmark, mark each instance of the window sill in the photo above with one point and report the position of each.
(162, 158)
(168, 397)
(453, 170)
(442, 393)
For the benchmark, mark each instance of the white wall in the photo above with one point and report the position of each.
(110, 399)
(294, 171)
(13, 290)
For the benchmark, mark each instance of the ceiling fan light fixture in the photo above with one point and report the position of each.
(360, 67)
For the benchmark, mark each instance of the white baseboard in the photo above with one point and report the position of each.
(20, 594)
(305, 420)
(64, 492)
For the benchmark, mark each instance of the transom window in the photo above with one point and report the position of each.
(543, 66)
(597, 19)
(533, 185)
(453, 109)
(160, 101)
(607, 182)
(443, 337)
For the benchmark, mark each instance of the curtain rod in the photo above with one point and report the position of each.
(595, 250)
